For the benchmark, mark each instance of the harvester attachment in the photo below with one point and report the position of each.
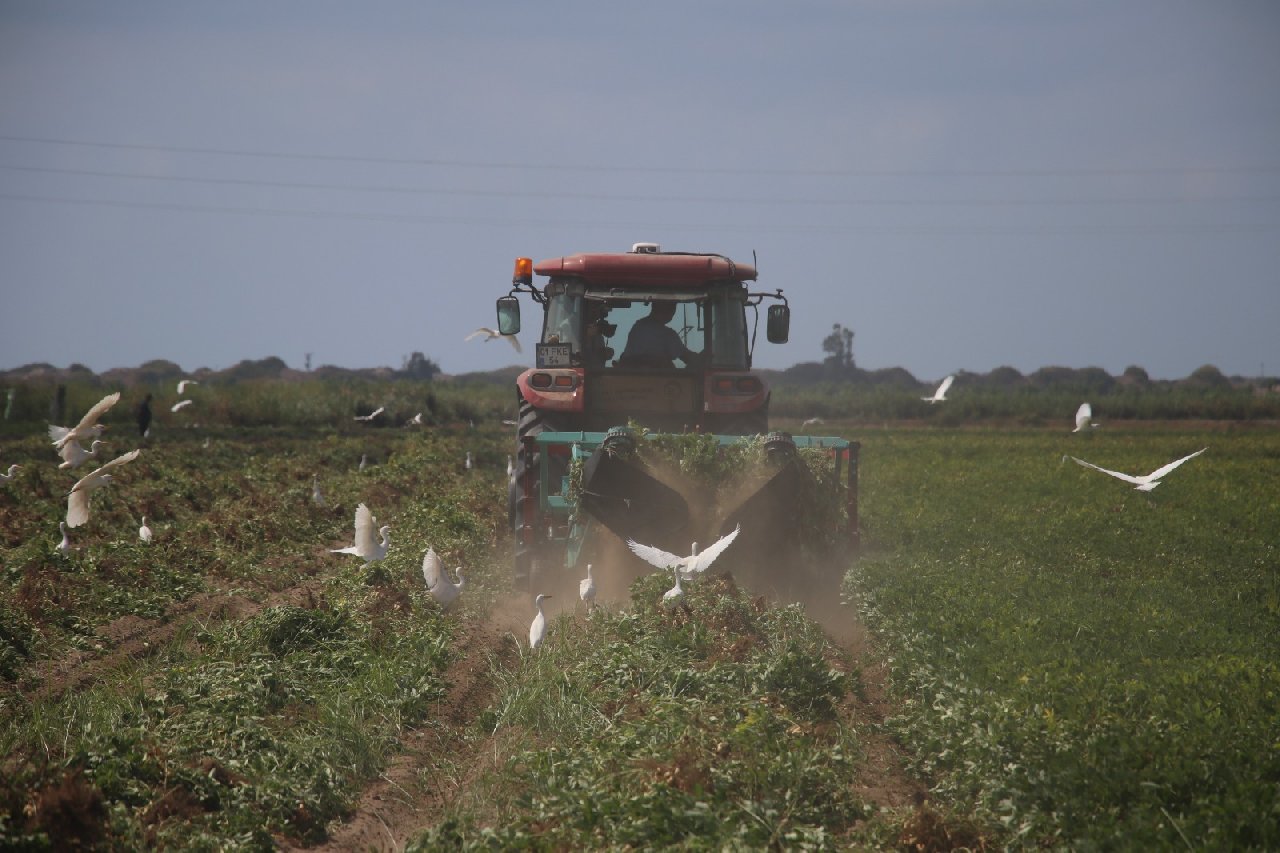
(611, 480)
(766, 511)
(620, 493)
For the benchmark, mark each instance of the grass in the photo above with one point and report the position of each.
(250, 683)
(714, 726)
(1079, 663)
(1075, 664)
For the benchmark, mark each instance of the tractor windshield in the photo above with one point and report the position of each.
(710, 326)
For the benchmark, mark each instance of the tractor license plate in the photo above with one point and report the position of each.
(552, 355)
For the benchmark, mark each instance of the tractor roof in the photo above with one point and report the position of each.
(648, 269)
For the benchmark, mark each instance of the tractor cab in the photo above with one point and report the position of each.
(659, 338)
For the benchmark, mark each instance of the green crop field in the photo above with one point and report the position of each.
(1054, 659)
(1081, 663)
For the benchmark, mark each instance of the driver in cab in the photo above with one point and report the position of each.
(652, 343)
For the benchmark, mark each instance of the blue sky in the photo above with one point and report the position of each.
(964, 184)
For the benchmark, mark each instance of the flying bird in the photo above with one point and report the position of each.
(181, 404)
(73, 455)
(690, 566)
(367, 545)
(587, 588)
(78, 499)
(144, 532)
(416, 420)
(88, 428)
(1084, 414)
(183, 383)
(941, 393)
(371, 415)
(4, 478)
(490, 334)
(814, 421)
(1146, 482)
(65, 545)
(538, 628)
(439, 584)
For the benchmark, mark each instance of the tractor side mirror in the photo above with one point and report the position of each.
(778, 327)
(508, 315)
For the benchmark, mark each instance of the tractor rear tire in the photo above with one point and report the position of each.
(532, 560)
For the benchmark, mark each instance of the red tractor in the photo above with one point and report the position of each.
(646, 338)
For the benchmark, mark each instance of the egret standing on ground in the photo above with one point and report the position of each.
(144, 532)
(439, 584)
(367, 545)
(317, 497)
(691, 566)
(88, 428)
(65, 545)
(1146, 482)
(1083, 416)
(587, 588)
(941, 394)
(78, 499)
(538, 629)
(675, 595)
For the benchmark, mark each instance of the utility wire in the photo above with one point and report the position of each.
(560, 167)
(577, 196)
(977, 230)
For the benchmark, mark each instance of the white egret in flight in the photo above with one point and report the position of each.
(367, 545)
(941, 393)
(1146, 482)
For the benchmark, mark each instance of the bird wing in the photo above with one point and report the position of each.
(57, 433)
(77, 508)
(366, 537)
(1128, 478)
(654, 556)
(99, 408)
(942, 389)
(515, 342)
(121, 459)
(1082, 416)
(708, 556)
(1160, 472)
(93, 479)
(179, 405)
(491, 333)
(432, 568)
(72, 453)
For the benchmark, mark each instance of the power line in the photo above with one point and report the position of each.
(579, 196)
(560, 167)
(963, 230)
